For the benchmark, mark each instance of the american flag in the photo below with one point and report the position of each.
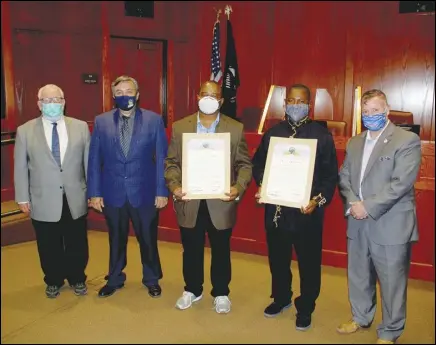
(215, 60)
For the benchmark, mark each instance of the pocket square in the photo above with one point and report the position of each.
(385, 158)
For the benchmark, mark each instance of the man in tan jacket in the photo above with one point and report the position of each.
(216, 216)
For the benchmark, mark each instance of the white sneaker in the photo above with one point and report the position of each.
(186, 300)
(222, 304)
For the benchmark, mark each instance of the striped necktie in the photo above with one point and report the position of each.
(125, 135)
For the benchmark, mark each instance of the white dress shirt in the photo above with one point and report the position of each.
(367, 151)
(62, 133)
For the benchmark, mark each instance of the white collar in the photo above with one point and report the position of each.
(368, 134)
(61, 120)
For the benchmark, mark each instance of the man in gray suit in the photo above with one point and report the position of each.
(50, 164)
(377, 182)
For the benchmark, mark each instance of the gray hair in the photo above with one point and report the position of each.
(124, 78)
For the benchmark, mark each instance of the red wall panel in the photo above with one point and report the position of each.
(55, 58)
(331, 46)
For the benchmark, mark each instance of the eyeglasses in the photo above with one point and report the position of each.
(52, 100)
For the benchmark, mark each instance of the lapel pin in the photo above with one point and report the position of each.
(386, 141)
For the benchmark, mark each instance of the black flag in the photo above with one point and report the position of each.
(231, 76)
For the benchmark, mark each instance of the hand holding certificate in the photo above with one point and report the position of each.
(206, 166)
(288, 173)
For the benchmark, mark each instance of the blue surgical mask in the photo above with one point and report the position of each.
(297, 112)
(125, 102)
(52, 111)
(375, 122)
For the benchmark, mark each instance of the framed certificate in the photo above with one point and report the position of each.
(288, 175)
(206, 165)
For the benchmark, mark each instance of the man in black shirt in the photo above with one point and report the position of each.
(287, 226)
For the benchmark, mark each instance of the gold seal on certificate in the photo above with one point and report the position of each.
(206, 165)
(288, 176)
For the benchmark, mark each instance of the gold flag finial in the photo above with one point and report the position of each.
(227, 11)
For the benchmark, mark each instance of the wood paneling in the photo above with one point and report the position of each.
(105, 61)
(57, 16)
(9, 123)
(327, 45)
(56, 58)
(144, 64)
(395, 53)
(330, 46)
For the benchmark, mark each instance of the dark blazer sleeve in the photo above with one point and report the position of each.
(161, 154)
(95, 163)
(259, 159)
(328, 169)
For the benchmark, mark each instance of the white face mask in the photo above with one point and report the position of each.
(208, 105)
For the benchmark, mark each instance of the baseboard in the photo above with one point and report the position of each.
(7, 194)
(17, 232)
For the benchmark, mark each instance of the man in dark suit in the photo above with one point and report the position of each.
(126, 182)
(287, 227)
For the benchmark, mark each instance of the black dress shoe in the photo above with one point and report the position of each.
(107, 290)
(154, 291)
(303, 322)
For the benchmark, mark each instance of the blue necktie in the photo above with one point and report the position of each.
(55, 147)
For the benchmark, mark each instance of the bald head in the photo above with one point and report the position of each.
(209, 98)
(210, 88)
(49, 91)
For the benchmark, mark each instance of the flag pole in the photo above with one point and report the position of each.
(357, 112)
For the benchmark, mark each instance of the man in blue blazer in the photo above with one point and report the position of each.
(126, 182)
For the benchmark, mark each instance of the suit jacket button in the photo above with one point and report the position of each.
(61, 170)
(125, 177)
(60, 187)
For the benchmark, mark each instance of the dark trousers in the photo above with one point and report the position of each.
(63, 248)
(308, 246)
(193, 240)
(145, 221)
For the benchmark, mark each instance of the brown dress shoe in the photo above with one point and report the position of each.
(348, 327)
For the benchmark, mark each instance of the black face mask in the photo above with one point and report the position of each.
(125, 102)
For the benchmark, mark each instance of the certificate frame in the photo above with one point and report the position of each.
(225, 137)
(311, 144)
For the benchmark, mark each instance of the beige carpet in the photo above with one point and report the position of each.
(130, 316)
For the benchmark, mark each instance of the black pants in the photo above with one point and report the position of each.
(144, 221)
(193, 255)
(308, 246)
(63, 248)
